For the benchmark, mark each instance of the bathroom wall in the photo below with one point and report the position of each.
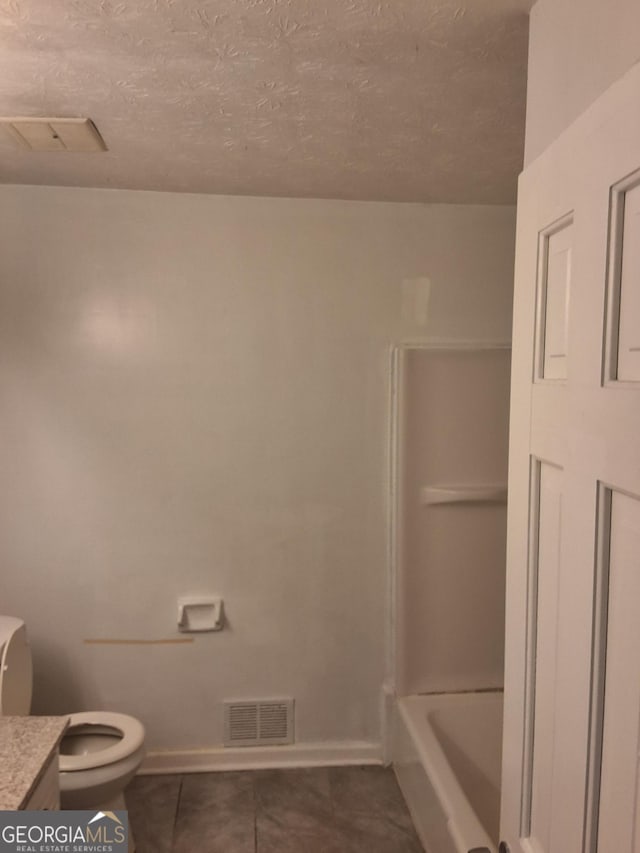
(195, 398)
(577, 49)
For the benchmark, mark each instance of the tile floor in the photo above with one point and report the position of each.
(323, 810)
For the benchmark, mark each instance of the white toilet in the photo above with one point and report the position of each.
(100, 751)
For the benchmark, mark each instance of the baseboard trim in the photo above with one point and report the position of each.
(335, 754)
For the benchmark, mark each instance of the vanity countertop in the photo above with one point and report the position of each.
(26, 746)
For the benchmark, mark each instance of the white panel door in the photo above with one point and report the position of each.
(571, 771)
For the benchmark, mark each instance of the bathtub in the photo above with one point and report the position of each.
(447, 754)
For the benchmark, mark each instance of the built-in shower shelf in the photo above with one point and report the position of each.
(494, 494)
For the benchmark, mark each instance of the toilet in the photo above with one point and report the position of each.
(100, 751)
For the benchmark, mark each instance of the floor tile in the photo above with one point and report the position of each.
(152, 802)
(357, 833)
(297, 799)
(366, 789)
(274, 836)
(370, 809)
(232, 790)
(216, 814)
(370, 833)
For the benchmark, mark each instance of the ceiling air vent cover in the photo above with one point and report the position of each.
(258, 723)
(55, 134)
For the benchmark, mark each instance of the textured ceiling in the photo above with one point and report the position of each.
(408, 100)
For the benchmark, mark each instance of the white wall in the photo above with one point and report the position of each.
(195, 398)
(577, 49)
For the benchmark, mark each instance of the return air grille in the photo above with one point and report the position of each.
(258, 723)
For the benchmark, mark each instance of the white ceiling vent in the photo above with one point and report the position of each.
(55, 134)
(258, 723)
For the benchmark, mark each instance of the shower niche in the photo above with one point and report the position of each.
(450, 517)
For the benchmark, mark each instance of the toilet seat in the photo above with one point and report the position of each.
(131, 733)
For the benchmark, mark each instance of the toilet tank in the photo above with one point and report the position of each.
(16, 669)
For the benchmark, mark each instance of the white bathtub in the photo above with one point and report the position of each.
(447, 755)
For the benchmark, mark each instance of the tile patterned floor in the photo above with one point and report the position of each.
(324, 810)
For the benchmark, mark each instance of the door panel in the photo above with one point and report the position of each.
(619, 782)
(556, 245)
(547, 587)
(624, 303)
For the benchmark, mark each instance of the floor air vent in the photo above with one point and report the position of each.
(259, 723)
